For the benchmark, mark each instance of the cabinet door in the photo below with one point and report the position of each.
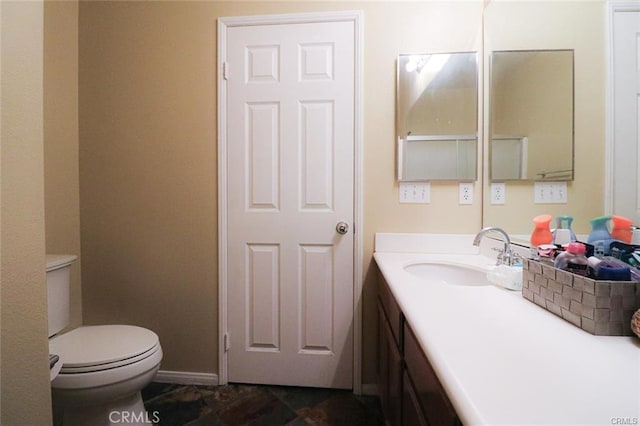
(389, 371)
(411, 410)
(431, 396)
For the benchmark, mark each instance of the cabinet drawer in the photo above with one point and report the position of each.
(431, 397)
(391, 308)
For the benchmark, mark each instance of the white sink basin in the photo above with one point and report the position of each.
(448, 273)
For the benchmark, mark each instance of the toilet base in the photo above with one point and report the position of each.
(125, 411)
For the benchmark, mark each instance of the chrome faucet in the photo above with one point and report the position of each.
(506, 256)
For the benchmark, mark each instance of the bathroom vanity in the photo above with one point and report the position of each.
(472, 353)
(410, 391)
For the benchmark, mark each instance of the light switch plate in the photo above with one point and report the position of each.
(415, 192)
(550, 192)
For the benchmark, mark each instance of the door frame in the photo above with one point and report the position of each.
(613, 7)
(224, 24)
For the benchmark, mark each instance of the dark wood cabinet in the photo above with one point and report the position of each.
(391, 310)
(410, 391)
(389, 372)
(431, 397)
(411, 409)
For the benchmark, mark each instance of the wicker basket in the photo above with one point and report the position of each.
(603, 308)
(635, 323)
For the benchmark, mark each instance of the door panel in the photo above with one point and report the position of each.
(263, 166)
(263, 321)
(316, 279)
(290, 145)
(316, 142)
(626, 95)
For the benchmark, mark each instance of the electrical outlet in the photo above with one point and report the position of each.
(498, 193)
(466, 193)
(416, 193)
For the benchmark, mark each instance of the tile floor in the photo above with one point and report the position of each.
(235, 404)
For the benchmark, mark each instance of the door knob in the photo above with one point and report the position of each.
(342, 228)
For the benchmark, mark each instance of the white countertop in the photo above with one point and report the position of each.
(502, 359)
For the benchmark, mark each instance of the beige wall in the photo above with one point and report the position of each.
(148, 185)
(148, 173)
(557, 25)
(61, 176)
(25, 395)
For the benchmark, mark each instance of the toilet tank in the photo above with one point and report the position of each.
(58, 278)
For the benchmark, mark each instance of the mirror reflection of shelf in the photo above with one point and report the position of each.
(561, 175)
(509, 157)
(431, 157)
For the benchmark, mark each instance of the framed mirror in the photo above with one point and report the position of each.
(437, 116)
(531, 108)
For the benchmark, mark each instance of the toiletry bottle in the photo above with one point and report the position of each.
(622, 230)
(600, 232)
(541, 233)
(573, 259)
(563, 234)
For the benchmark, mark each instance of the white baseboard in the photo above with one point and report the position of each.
(370, 389)
(186, 378)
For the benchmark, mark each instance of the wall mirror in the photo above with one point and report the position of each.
(531, 125)
(437, 116)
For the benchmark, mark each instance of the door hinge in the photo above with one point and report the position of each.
(225, 70)
(227, 342)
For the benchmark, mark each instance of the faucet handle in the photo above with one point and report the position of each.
(515, 258)
(508, 258)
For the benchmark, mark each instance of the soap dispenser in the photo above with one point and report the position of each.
(541, 233)
(600, 237)
(563, 234)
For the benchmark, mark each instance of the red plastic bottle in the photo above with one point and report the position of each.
(621, 229)
(541, 233)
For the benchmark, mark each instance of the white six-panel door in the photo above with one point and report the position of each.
(625, 163)
(290, 181)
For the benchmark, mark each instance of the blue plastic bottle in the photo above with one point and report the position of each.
(600, 232)
(564, 223)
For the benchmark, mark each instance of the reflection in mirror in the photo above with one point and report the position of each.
(437, 116)
(531, 115)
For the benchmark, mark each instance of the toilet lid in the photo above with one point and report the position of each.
(98, 345)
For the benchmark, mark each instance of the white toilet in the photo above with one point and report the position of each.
(104, 367)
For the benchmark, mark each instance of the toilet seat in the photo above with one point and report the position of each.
(103, 347)
(95, 357)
